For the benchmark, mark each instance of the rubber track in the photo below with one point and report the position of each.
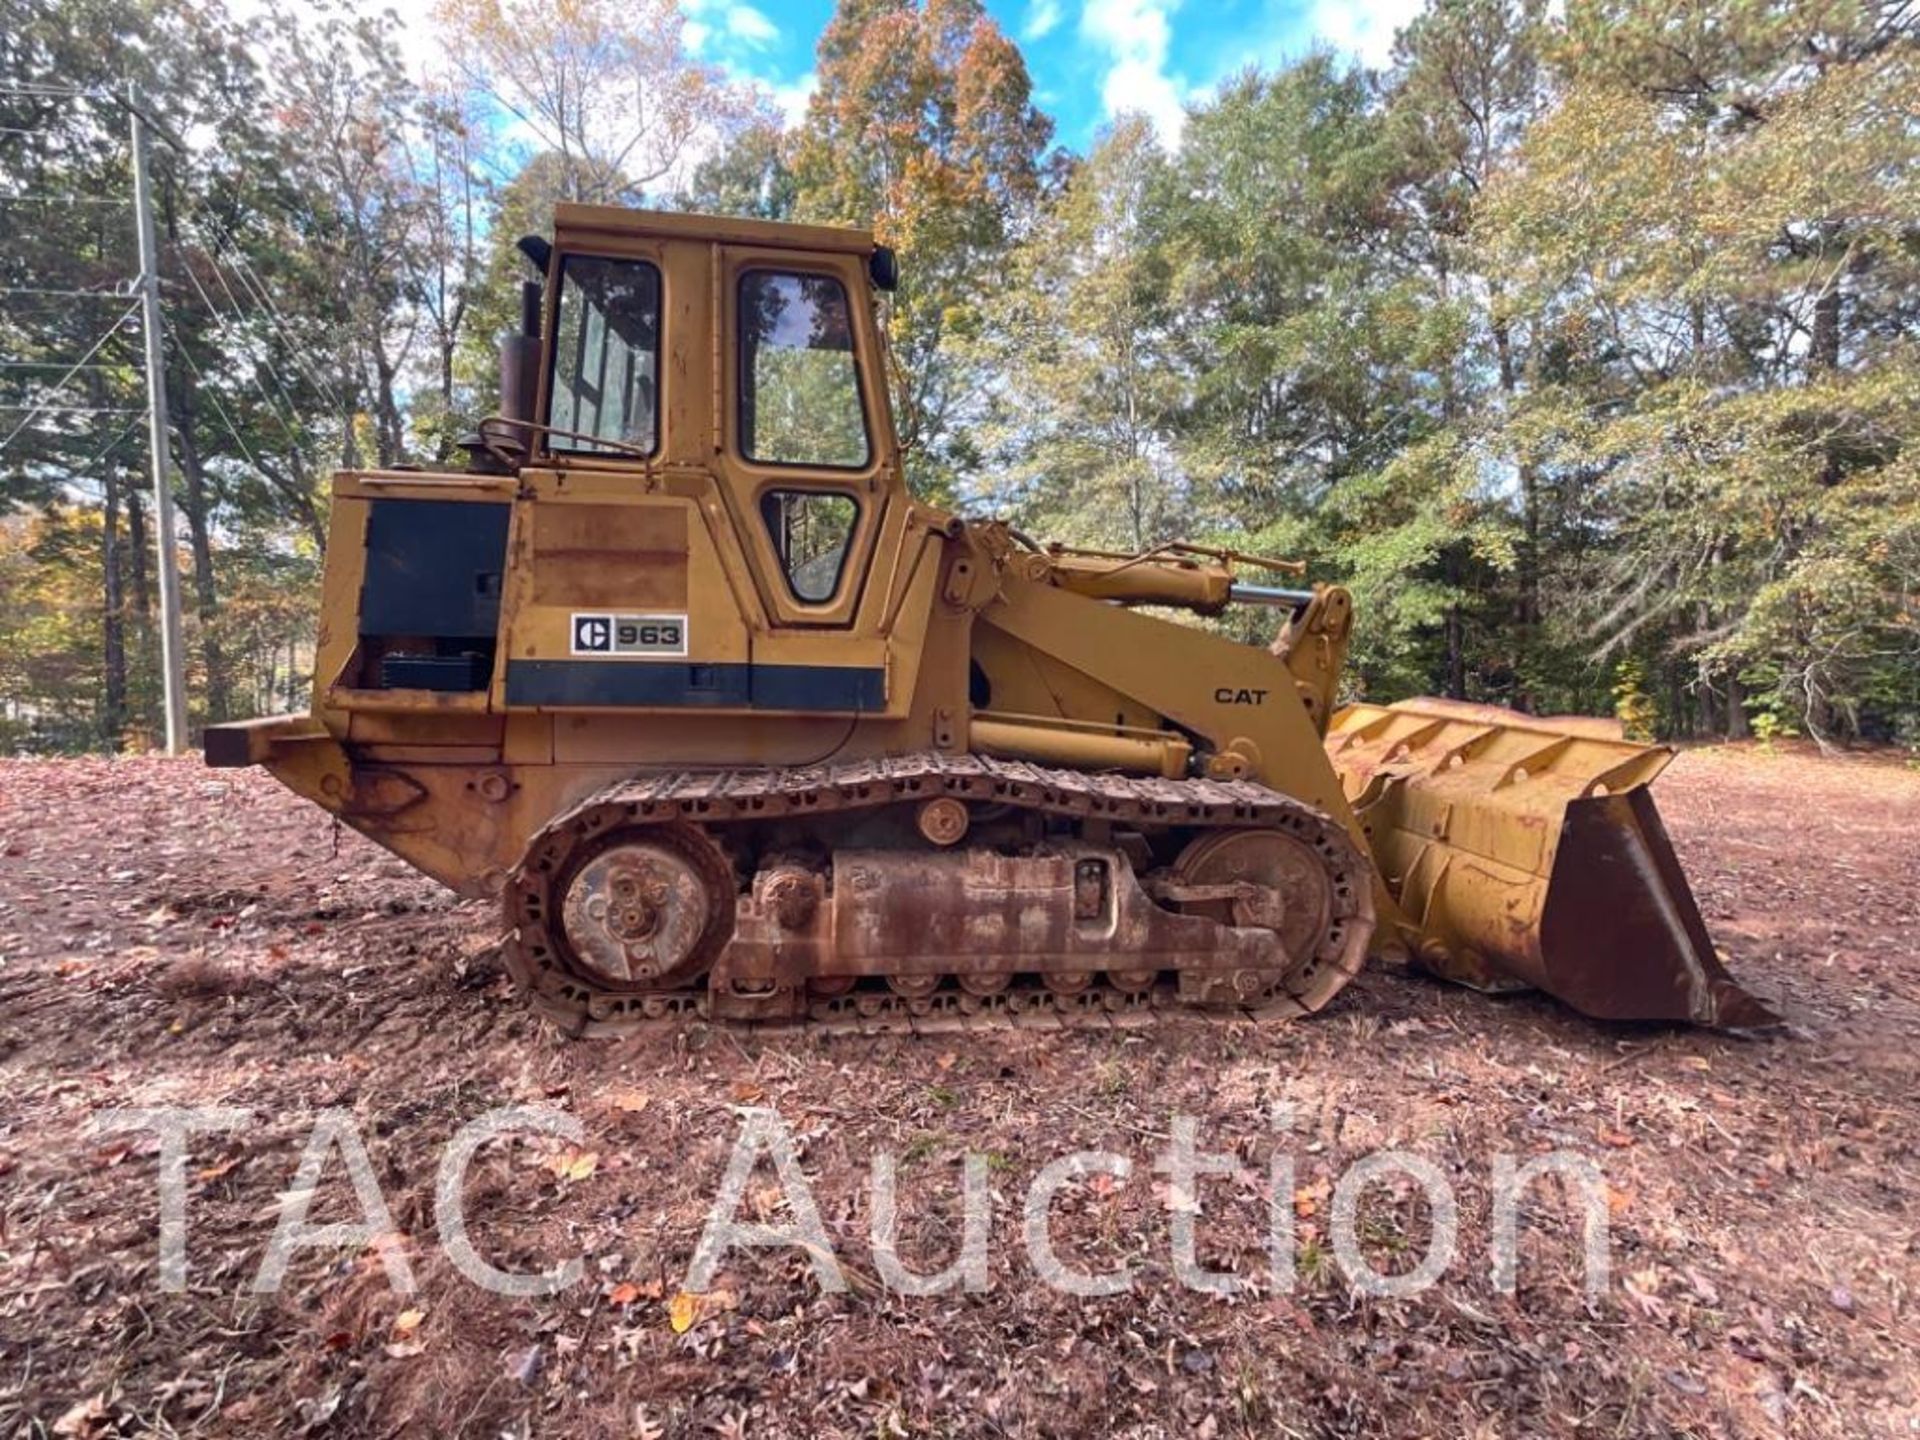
(705, 797)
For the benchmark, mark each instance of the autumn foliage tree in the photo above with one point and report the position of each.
(923, 127)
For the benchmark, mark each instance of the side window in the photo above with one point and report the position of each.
(606, 357)
(799, 385)
(810, 533)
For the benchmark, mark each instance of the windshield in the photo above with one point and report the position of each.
(606, 357)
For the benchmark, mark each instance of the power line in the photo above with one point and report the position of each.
(69, 410)
(63, 200)
(214, 398)
(58, 385)
(126, 102)
(291, 427)
(64, 294)
(250, 280)
(220, 267)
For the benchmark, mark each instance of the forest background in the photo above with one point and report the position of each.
(1581, 340)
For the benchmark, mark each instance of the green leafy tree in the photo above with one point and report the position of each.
(1716, 238)
(749, 177)
(1080, 424)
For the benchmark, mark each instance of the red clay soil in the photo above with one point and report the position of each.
(173, 936)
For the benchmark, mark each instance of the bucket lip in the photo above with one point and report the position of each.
(1614, 852)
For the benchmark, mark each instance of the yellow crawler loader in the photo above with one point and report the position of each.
(739, 729)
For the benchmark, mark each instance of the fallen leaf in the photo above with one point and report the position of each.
(625, 1293)
(631, 1101)
(85, 1419)
(408, 1321)
(687, 1309)
(405, 1352)
(574, 1164)
(682, 1311)
(746, 1092)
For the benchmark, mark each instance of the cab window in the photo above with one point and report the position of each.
(810, 532)
(606, 357)
(799, 384)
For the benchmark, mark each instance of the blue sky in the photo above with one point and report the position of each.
(1089, 58)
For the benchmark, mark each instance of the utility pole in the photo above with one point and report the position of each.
(173, 655)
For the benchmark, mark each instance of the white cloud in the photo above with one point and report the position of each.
(704, 21)
(1136, 35)
(791, 96)
(750, 27)
(1042, 17)
(1362, 28)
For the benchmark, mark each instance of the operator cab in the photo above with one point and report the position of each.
(797, 427)
(694, 467)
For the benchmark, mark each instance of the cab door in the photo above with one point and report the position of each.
(806, 458)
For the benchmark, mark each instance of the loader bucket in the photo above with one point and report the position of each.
(1527, 852)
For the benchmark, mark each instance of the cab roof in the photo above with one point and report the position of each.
(574, 225)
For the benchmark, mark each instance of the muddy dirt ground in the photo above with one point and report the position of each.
(171, 936)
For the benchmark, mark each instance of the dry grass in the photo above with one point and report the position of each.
(176, 937)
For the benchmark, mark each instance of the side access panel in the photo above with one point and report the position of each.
(624, 595)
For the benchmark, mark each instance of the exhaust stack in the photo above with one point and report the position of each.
(520, 374)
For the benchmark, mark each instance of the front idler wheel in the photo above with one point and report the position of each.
(647, 908)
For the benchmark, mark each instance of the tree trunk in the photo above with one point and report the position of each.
(389, 430)
(1823, 358)
(443, 445)
(1709, 706)
(194, 501)
(1527, 605)
(1456, 656)
(137, 543)
(1737, 726)
(1456, 628)
(142, 663)
(113, 711)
